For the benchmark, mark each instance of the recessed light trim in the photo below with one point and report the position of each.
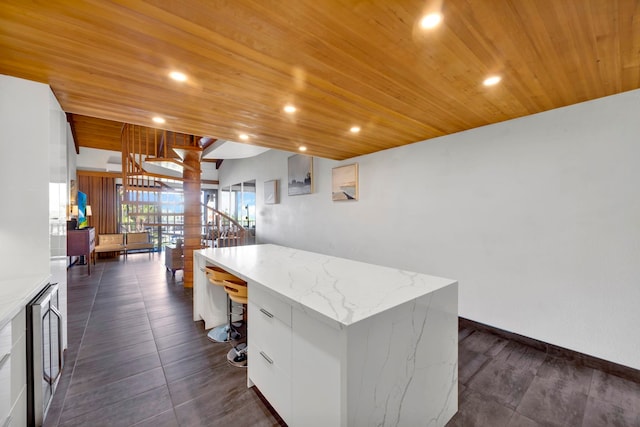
(290, 109)
(158, 120)
(431, 20)
(302, 148)
(492, 80)
(354, 129)
(243, 136)
(178, 76)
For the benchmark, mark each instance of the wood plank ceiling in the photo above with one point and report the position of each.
(365, 63)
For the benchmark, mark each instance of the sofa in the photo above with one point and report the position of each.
(138, 241)
(111, 243)
(124, 243)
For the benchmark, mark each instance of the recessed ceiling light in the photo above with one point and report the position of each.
(431, 20)
(354, 129)
(289, 109)
(178, 76)
(302, 148)
(158, 119)
(493, 80)
(244, 136)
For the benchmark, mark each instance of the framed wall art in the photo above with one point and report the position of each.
(344, 182)
(271, 192)
(300, 175)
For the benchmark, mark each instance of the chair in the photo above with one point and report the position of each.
(237, 292)
(225, 332)
(174, 257)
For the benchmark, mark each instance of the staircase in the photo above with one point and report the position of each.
(153, 164)
(223, 231)
(153, 157)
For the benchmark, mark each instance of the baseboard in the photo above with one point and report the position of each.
(554, 350)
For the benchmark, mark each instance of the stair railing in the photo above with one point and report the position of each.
(223, 231)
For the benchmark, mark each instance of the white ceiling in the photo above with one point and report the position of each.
(111, 161)
(222, 149)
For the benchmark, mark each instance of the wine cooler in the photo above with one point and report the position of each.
(44, 352)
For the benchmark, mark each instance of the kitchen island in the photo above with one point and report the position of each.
(339, 342)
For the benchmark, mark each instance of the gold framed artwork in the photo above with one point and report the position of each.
(300, 175)
(344, 183)
(271, 192)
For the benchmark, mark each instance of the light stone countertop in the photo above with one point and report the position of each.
(341, 290)
(16, 293)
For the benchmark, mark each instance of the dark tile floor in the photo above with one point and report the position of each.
(504, 383)
(136, 357)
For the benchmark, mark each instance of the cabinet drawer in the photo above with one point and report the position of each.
(18, 416)
(5, 371)
(18, 326)
(272, 382)
(273, 336)
(18, 367)
(270, 304)
(5, 389)
(5, 339)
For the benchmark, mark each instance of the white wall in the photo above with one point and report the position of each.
(95, 159)
(538, 218)
(60, 139)
(24, 172)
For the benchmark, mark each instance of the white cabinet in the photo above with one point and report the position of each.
(13, 372)
(271, 334)
(199, 284)
(25, 117)
(18, 417)
(270, 348)
(271, 379)
(5, 372)
(19, 368)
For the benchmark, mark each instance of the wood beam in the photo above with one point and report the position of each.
(73, 131)
(99, 173)
(192, 213)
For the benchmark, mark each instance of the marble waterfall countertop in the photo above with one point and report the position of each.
(16, 293)
(341, 290)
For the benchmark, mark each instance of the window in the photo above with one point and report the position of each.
(158, 211)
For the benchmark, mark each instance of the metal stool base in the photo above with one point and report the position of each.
(221, 334)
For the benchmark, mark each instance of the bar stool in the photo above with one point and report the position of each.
(236, 289)
(221, 333)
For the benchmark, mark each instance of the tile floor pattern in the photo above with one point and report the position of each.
(504, 383)
(136, 357)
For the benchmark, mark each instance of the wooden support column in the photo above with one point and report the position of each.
(192, 212)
